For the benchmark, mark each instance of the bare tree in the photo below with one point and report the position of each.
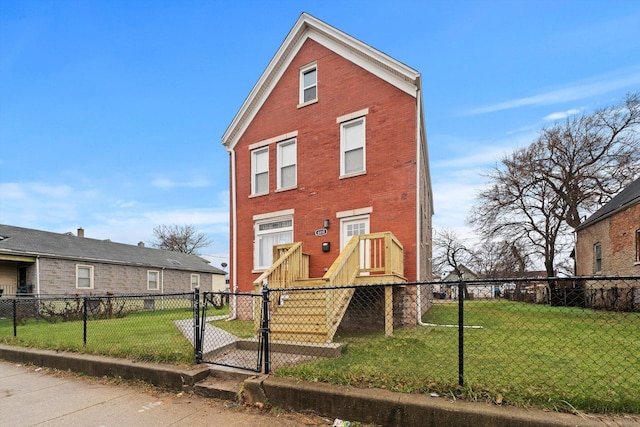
(501, 259)
(538, 193)
(452, 253)
(589, 159)
(180, 238)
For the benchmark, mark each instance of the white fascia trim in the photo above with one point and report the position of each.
(374, 61)
(354, 212)
(377, 63)
(269, 141)
(268, 215)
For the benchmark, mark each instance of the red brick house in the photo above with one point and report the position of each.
(608, 244)
(330, 143)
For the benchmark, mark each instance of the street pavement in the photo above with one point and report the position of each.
(33, 396)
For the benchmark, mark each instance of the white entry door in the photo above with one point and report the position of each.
(352, 227)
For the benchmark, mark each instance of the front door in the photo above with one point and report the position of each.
(355, 226)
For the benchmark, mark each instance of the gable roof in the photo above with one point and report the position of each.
(18, 241)
(621, 201)
(452, 276)
(307, 27)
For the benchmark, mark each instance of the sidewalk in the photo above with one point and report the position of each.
(34, 396)
(379, 407)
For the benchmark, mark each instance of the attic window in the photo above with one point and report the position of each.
(174, 261)
(308, 84)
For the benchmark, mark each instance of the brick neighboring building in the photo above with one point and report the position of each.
(45, 263)
(329, 143)
(608, 242)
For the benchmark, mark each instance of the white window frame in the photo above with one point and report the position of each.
(260, 234)
(597, 261)
(361, 121)
(304, 71)
(157, 281)
(84, 267)
(197, 281)
(255, 171)
(281, 163)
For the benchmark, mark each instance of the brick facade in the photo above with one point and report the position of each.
(388, 189)
(617, 236)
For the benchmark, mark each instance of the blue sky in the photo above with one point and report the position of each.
(112, 112)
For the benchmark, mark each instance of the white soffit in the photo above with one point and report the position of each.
(308, 27)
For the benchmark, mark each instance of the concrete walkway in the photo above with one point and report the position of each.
(214, 338)
(34, 396)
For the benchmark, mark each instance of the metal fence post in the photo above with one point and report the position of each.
(85, 304)
(265, 355)
(461, 288)
(197, 341)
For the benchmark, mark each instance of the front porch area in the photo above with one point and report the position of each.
(304, 309)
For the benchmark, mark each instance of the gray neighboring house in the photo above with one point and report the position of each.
(45, 263)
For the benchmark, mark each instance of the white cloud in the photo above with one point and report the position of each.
(580, 90)
(163, 183)
(190, 216)
(561, 115)
(167, 183)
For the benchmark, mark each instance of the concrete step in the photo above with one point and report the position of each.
(219, 388)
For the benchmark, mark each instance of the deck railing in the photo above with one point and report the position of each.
(290, 264)
(365, 254)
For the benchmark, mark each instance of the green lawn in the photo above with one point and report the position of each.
(143, 335)
(526, 355)
(554, 357)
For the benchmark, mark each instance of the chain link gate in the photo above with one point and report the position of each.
(216, 346)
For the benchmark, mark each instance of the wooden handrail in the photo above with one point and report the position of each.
(290, 264)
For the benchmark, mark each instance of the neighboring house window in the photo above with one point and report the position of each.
(352, 147)
(638, 245)
(195, 281)
(153, 282)
(287, 164)
(597, 258)
(270, 232)
(84, 276)
(260, 171)
(308, 84)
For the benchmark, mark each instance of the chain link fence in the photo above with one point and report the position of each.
(565, 344)
(142, 327)
(560, 343)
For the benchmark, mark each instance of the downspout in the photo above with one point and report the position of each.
(234, 240)
(38, 275)
(418, 217)
(162, 285)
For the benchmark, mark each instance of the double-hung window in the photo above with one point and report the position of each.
(638, 245)
(270, 232)
(84, 277)
(352, 147)
(195, 281)
(287, 164)
(308, 83)
(153, 280)
(260, 171)
(597, 258)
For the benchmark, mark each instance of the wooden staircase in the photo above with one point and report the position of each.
(311, 310)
